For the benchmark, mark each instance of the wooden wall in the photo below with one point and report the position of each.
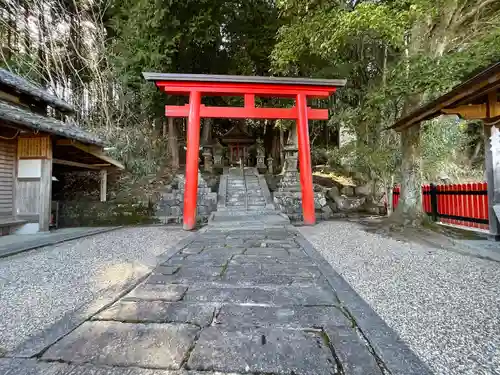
(7, 176)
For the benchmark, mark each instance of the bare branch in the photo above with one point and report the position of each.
(476, 10)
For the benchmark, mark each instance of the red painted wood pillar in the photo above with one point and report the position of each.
(193, 145)
(306, 181)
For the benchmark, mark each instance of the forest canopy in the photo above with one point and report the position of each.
(395, 54)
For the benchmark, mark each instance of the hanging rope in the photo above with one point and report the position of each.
(11, 138)
(492, 123)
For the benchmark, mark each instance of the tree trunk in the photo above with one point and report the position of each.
(26, 31)
(409, 210)
(292, 135)
(282, 145)
(276, 150)
(173, 144)
(206, 136)
(42, 57)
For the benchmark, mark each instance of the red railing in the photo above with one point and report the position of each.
(458, 204)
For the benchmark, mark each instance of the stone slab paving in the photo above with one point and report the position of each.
(126, 344)
(232, 301)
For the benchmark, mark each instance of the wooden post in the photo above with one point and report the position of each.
(492, 164)
(434, 203)
(104, 184)
(45, 195)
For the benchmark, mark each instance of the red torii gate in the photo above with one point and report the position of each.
(196, 85)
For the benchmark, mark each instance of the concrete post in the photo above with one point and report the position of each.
(492, 164)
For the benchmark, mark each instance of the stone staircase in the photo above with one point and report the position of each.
(244, 199)
(244, 190)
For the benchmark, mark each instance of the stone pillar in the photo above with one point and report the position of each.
(207, 159)
(270, 165)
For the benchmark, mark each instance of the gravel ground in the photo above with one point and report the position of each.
(38, 287)
(446, 306)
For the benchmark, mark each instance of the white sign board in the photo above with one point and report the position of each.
(29, 168)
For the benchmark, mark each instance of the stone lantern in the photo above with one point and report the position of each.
(218, 155)
(207, 159)
(261, 155)
(270, 165)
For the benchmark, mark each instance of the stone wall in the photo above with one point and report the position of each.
(328, 203)
(169, 209)
(290, 203)
(92, 213)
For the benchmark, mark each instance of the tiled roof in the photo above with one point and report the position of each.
(20, 116)
(23, 85)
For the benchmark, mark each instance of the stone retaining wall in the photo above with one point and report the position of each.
(169, 209)
(290, 203)
(91, 213)
(328, 203)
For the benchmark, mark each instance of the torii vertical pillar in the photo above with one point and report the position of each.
(306, 182)
(193, 145)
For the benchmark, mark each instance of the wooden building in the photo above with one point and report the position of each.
(33, 145)
(239, 143)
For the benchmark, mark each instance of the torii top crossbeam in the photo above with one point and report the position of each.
(196, 85)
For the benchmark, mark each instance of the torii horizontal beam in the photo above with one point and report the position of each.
(247, 113)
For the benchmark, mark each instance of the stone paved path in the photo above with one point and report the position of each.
(232, 301)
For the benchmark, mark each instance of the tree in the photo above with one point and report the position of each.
(396, 55)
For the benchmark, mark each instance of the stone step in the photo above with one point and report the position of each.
(256, 201)
(234, 201)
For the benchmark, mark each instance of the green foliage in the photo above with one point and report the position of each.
(193, 36)
(396, 55)
(445, 151)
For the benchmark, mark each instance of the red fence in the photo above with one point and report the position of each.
(462, 204)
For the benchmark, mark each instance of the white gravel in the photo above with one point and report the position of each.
(446, 306)
(38, 287)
